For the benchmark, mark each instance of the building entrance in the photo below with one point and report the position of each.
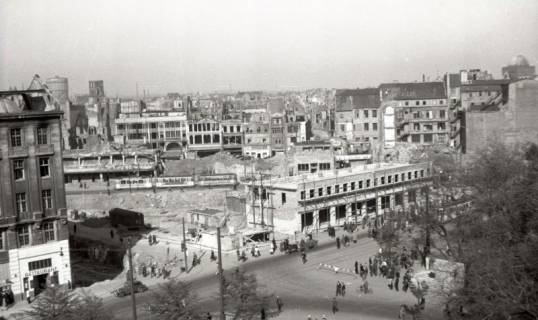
(40, 283)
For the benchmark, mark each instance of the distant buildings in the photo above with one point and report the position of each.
(415, 112)
(519, 69)
(484, 109)
(513, 120)
(97, 89)
(34, 247)
(357, 115)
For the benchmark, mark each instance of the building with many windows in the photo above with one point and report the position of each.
(167, 130)
(419, 110)
(34, 247)
(356, 115)
(314, 201)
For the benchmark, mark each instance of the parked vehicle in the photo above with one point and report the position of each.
(125, 290)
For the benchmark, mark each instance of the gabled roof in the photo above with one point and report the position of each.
(413, 90)
(350, 99)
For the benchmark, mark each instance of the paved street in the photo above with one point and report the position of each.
(304, 288)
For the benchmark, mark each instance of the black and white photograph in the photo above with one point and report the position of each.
(268, 159)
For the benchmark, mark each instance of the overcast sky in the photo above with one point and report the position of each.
(179, 46)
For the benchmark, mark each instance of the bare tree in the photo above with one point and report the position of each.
(242, 297)
(175, 301)
(483, 214)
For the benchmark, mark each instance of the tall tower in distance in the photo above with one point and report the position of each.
(97, 89)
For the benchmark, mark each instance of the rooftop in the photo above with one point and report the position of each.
(24, 101)
(413, 90)
(293, 182)
(350, 99)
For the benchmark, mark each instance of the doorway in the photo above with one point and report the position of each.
(40, 283)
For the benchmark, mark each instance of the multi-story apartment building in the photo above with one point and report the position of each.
(356, 115)
(34, 246)
(471, 90)
(232, 134)
(257, 135)
(415, 112)
(166, 130)
(309, 202)
(204, 135)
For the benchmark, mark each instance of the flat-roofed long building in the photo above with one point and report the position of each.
(304, 203)
(34, 246)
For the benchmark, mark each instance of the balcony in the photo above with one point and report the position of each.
(18, 152)
(44, 149)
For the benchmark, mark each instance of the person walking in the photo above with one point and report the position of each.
(338, 288)
(356, 267)
(370, 266)
(337, 243)
(28, 296)
(279, 304)
(257, 251)
(303, 257)
(262, 315)
(343, 289)
(397, 280)
(335, 305)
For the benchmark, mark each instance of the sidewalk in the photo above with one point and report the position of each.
(142, 250)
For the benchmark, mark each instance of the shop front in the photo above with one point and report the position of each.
(39, 267)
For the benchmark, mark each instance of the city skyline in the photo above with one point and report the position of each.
(240, 45)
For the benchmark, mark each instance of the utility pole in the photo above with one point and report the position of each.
(131, 276)
(184, 246)
(261, 199)
(253, 198)
(221, 275)
(376, 204)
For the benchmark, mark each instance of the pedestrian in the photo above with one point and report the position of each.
(238, 254)
(401, 314)
(257, 251)
(335, 305)
(303, 257)
(263, 314)
(338, 288)
(397, 281)
(194, 259)
(356, 267)
(154, 239)
(343, 289)
(337, 243)
(149, 240)
(252, 251)
(28, 296)
(279, 303)
(370, 266)
(213, 257)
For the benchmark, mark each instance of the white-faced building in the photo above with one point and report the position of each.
(304, 203)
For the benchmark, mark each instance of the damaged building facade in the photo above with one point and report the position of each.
(34, 247)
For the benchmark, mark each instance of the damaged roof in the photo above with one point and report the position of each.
(413, 90)
(350, 99)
